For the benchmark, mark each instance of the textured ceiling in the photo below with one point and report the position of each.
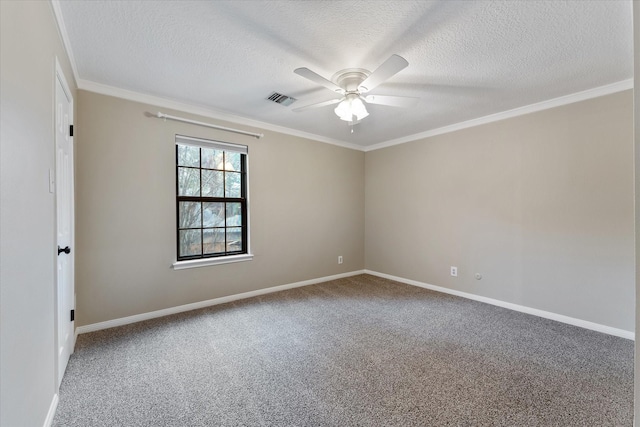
(467, 59)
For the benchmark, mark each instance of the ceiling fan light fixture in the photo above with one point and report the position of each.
(351, 106)
(352, 83)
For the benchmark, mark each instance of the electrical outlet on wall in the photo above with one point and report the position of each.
(340, 259)
(454, 271)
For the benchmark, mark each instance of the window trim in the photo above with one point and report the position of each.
(204, 262)
(215, 259)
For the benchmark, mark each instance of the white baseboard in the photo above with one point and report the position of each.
(534, 311)
(208, 303)
(52, 411)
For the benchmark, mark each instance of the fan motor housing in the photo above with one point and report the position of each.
(349, 79)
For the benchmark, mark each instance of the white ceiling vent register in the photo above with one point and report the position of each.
(281, 99)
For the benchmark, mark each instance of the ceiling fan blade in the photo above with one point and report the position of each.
(391, 66)
(317, 78)
(393, 101)
(316, 105)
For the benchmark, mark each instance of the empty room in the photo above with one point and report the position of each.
(318, 213)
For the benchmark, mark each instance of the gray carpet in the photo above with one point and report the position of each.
(360, 351)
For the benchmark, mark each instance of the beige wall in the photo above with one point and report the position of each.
(29, 44)
(541, 205)
(306, 208)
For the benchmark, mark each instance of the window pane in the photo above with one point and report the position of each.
(188, 156)
(190, 242)
(234, 214)
(212, 183)
(232, 161)
(232, 184)
(188, 182)
(213, 215)
(208, 228)
(189, 213)
(212, 159)
(234, 239)
(213, 240)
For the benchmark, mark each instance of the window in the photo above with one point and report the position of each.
(211, 199)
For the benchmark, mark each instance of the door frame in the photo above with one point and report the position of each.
(60, 77)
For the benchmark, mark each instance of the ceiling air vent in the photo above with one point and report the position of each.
(281, 99)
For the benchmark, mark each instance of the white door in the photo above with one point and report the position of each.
(64, 223)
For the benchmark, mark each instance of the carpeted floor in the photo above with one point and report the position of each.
(360, 351)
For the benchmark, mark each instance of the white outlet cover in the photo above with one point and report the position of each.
(454, 271)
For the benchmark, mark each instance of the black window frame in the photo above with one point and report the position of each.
(243, 199)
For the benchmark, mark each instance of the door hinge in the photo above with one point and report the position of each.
(73, 315)
(70, 130)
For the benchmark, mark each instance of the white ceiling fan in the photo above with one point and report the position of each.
(353, 83)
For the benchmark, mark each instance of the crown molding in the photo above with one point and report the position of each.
(220, 115)
(62, 31)
(539, 106)
(205, 112)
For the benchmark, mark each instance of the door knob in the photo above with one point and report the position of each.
(65, 250)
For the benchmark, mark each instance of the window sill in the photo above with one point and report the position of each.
(204, 262)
